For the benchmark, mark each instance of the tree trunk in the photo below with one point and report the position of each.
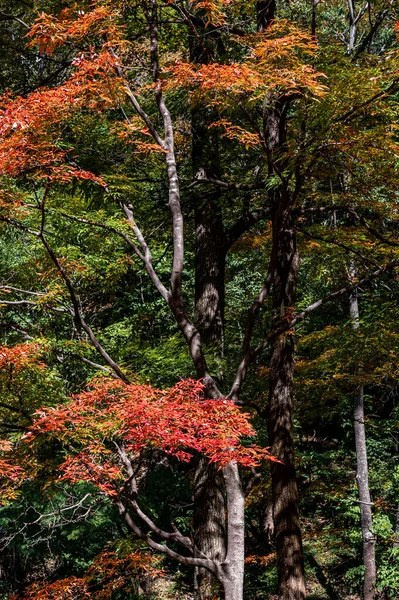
(287, 530)
(368, 538)
(265, 10)
(209, 273)
(210, 253)
(210, 256)
(209, 523)
(233, 566)
(396, 542)
(362, 477)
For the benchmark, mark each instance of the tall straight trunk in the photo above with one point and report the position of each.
(362, 473)
(287, 531)
(210, 256)
(396, 542)
(209, 523)
(291, 581)
(210, 252)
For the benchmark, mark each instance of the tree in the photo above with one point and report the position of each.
(362, 475)
(298, 127)
(107, 432)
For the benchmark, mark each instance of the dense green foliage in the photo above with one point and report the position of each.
(342, 131)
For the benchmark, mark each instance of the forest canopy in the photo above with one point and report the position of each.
(199, 260)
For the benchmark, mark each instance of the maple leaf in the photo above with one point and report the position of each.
(177, 421)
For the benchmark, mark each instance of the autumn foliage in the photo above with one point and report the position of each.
(32, 128)
(115, 570)
(176, 421)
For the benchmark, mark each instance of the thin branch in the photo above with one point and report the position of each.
(226, 185)
(78, 315)
(247, 350)
(176, 535)
(15, 289)
(32, 303)
(366, 42)
(339, 244)
(244, 223)
(371, 229)
(22, 332)
(315, 305)
(391, 89)
(12, 426)
(19, 225)
(163, 548)
(146, 256)
(136, 105)
(90, 363)
(16, 18)
(76, 304)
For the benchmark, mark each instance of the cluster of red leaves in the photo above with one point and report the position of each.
(12, 361)
(115, 571)
(177, 421)
(111, 572)
(72, 588)
(10, 473)
(20, 356)
(7, 469)
(31, 128)
(101, 21)
(262, 561)
(235, 132)
(32, 141)
(275, 61)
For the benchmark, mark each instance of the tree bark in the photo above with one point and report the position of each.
(233, 565)
(265, 10)
(209, 523)
(362, 477)
(287, 529)
(210, 252)
(210, 257)
(284, 261)
(396, 542)
(210, 247)
(209, 275)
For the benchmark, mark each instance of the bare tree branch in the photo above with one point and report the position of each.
(75, 301)
(163, 548)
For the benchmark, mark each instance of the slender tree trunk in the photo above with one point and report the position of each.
(362, 477)
(284, 487)
(210, 256)
(396, 542)
(268, 523)
(233, 565)
(210, 253)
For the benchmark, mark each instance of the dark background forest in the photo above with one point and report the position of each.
(199, 192)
